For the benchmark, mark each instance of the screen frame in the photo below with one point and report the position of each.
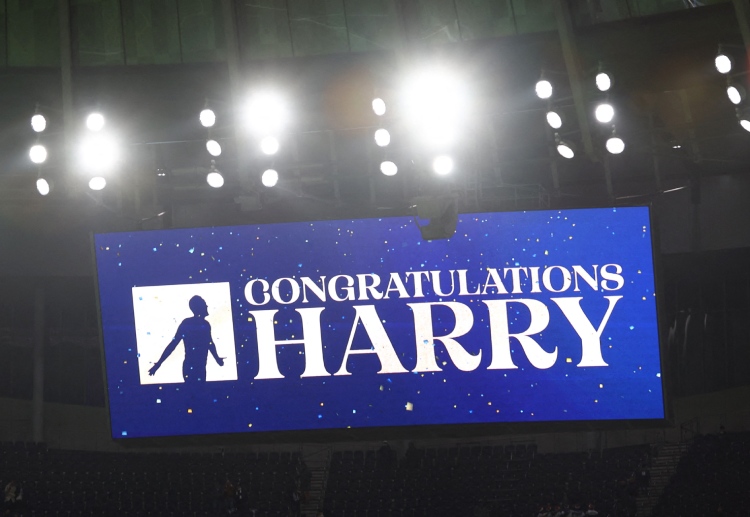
(412, 432)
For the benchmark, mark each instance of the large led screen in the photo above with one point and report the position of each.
(519, 317)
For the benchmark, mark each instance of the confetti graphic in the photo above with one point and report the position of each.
(520, 317)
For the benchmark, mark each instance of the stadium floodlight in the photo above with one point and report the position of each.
(603, 81)
(436, 104)
(269, 178)
(554, 119)
(97, 183)
(442, 165)
(269, 145)
(38, 154)
(388, 168)
(378, 106)
(99, 153)
(38, 122)
(207, 117)
(266, 113)
(382, 137)
(213, 147)
(215, 179)
(604, 113)
(615, 144)
(743, 117)
(723, 62)
(43, 186)
(736, 93)
(95, 121)
(564, 148)
(543, 89)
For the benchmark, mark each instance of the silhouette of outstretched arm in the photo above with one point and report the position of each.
(212, 349)
(167, 351)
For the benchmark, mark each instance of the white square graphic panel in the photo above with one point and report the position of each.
(160, 310)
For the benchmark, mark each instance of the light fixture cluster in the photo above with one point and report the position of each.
(266, 116)
(207, 118)
(38, 152)
(383, 138)
(436, 106)
(555, 119)
(98, 152)
(604, 113)
(736, 92)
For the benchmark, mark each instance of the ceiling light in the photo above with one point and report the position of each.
(442, 165)
(554, 119)
(564, 148)
(95, 122)
(269, 145)
(382, 137)
(99, 153)
(378, 106)
(603, 81)
(38, 154)
(615, 144)
(604, 113)
(723, 62)
(269, 178)
(213, 147)
(97, 183)
(266, 113)
(215, 179)
(388, 168)
(43, 186)
(38, 123)
(736, 93)
(543, 89)
(436, 104)
(207, 117)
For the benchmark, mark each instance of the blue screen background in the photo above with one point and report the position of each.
(629, 388)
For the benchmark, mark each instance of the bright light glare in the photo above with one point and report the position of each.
(442, 165)
(388, 168)
(213, 147)
(43, 186)
(565, 151)
(95, 122)
(38, 123)
(97, 183)
(604, 113)
(382, 137)
(615, 145)
(266, 114)
(436, 103)
(723, 64)
(269, 178)
(269, 145)
(745, 124)
(603, 81)
(734, 94)
(215, 179)
(99, 153)
(38, 153)
(207, 118)
(543, 89)
(378, 106)
(554, 120)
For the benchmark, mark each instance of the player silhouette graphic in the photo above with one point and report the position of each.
(195, 333)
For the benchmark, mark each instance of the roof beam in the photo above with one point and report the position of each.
(575, 75)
